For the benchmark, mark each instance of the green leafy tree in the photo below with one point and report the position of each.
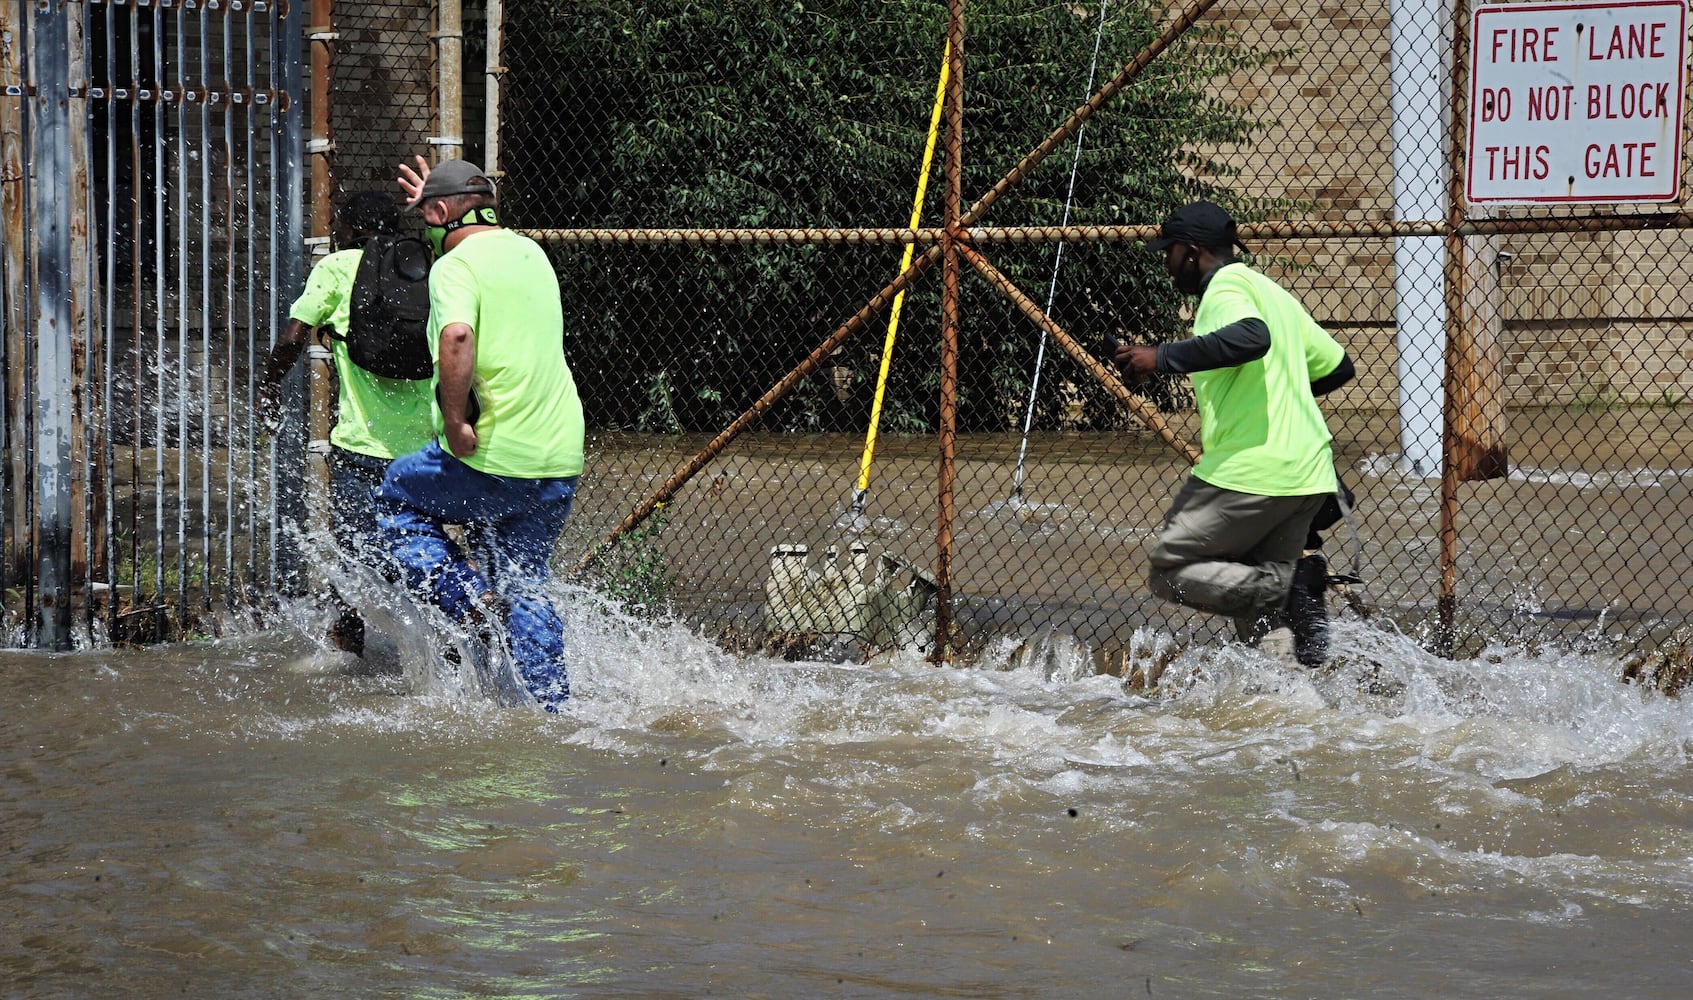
(755, 113)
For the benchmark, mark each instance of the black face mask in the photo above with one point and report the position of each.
(1187, 273)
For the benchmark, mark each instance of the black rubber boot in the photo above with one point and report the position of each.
(1307, 610)
(347, 632)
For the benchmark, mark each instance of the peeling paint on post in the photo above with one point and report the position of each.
(51, 196)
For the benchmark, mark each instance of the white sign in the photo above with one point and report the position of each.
(1577, 102)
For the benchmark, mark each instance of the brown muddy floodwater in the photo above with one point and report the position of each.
(206, 820)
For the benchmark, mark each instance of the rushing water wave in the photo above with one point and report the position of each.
(205, 820)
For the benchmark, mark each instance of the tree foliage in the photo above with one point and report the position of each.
(813, 113)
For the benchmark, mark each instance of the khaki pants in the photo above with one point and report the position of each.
(1231, 553)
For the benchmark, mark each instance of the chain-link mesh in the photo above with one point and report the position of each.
(1565, 461)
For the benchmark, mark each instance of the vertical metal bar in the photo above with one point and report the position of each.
(160, 317)
(51, 189)
(286, 269)
(250, 120)
(107, 457)
(229, 435)
(320, 146)
(495, 70)
(184, 381)
(321, 143)
(137, 438)
(449, 65)
(13, 35)
(205, 383)
(949, 333)
(84, 307)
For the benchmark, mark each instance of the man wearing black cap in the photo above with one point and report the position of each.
(1233, 538)
(509, 430)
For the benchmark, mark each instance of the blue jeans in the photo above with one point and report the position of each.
(353, 481)
(510, 526)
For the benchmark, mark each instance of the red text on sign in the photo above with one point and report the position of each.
(1621, 159)
(1524, 44)
(1631, 41)
(1518, 163)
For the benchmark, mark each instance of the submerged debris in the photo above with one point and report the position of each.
(1667, 667)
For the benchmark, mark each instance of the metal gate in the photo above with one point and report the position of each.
(151, 186)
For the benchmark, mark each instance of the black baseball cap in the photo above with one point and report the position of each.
(455, 177)
(1200, 223)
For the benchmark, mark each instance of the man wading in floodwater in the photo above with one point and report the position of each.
(1233, 537)
(510, 434)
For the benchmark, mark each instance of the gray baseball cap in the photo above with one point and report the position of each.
(455, 177)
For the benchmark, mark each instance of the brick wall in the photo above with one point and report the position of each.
(1588, 317)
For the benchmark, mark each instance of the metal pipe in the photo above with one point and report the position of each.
(183, 317)
(952, 201)
(1419, 101)
(449, 68)
(1294, 230)
(205, 381)
(159, 321)
(495, 69)
(1143, 411)
(12, 245)
(52, 192)
(107, 453)
(321, 145)
(287, 266)
(138, 169)
(250, 435)
(229, 243)
(320, 148)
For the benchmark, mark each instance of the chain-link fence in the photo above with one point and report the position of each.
(728, 192)
(1327, 128)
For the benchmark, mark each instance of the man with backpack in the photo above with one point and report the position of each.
(509, 431)
(359, 297)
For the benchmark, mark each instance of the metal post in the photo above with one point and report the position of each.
(287, 266)
(320, 147)
(495, 69)
(449, 68)
(51, 191)
(954, 175)
(1446, 604)
(12, 306)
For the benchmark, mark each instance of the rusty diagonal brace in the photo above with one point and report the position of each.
(907, 277)
(1145, 412)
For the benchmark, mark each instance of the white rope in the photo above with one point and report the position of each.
(1057, 261)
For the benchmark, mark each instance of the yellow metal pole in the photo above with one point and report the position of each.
(899, 300)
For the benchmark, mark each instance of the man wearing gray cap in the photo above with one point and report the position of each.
(509, 429)
(1232, 539)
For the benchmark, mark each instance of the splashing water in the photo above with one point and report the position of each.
(698, 822)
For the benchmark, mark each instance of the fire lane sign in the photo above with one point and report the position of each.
(1576, 102)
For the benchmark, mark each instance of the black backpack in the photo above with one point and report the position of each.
(390, 309)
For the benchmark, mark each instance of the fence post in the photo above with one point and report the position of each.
(51, 194)
(954, 175)
(287, 251)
